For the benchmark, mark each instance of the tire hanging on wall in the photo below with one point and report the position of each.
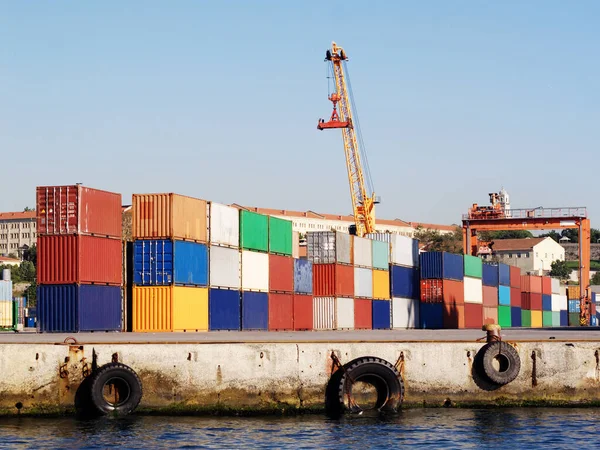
(115, 389)
(507, 359)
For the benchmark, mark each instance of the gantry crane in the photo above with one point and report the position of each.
(363, 200)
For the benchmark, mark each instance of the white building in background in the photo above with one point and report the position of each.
(531, 255)
(17, 232)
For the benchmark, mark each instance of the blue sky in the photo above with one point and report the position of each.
(220, 100)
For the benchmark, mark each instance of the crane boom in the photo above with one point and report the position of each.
(363, 202)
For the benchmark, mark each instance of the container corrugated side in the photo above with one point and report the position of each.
(224, 309)
(473, 316)
(363, 314)
(490, 296)
(152, 309)
(531, 283)
(504, 316)
(280, 236)
(255, 311)
(490, 275)
(362, 252)
(555, 286)
(344, 313)
(473, 290)
(58, 308)
(454, 316)
(473, 266)
(303, 276)
(546, 285)
(405, 282)
(254, 231)
(404, 251)
(324, 313)
(329, 247)
(363, 282)
(224, 225)
(515, 278)
(546, 302)
(381, 285)
(431, 315)
(6, 289)
(255, 271)
(573, 292)
(504, 295)
(382, 315)
(281, 312)
(503, 274)
(405, 313)
(515, 316)
(515, 297)
(100, 308)
(333, 280)
(6, 313)
(303, 312)
(442, 265)
(381, 255)
(225, 267)
(559, 302)
(490, 315)
(281, 273)
(190, 308)
(343, 248)
(295, 245)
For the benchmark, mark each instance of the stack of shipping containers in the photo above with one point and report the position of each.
(515, 297)
(80, 260)
(281, 275)
(362, 251)
(405, 282)
(491, 279)
(558, 305)
(303, 294)
(382, 301)
(6, 303)
(574, 306)
(531, 301)
(547, 302)
(170, 263)
(504, 311)
(473, 292)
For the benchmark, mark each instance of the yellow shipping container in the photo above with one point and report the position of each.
(381, 284)
(573, 292)
(169, 216)
(536, 319)
(6, 313)
(190, 309)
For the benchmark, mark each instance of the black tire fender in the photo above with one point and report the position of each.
(123, 385)
(500, 362)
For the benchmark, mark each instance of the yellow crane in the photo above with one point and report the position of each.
(361, 186)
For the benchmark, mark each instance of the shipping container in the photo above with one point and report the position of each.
(531, 283)
(303, 312)
(333, 280)
(431, 316)
(546, 285)
(165, 262)
(225, 267)
(57, 308)
(363, 314)
(504, 295)
(254, 231)
(515, 316)
(473, 290)
(573, 292)
(405, 282)
(363, 282)
(473, 266)
(564, 318)
(454, 316)
(515, 297)
(447, 291)
(504, 316)
(490, 315)
(574, 306)
(100, 308)
(381, 255)
(536, 319)
(281, 273)
(296, 245)
(547, 319)
(556, 318)
(503, 274)
(442, 265)
(224, 227)
(255, 271)
(381, 285)
(281, 312)
(69, 210)
(7, 314)
(324, 313)
(559, 302)
(69, 259)
(574, 320)
(6, 290)
(190, 308)
(490, 296)
(329, 247)
(405, 313)
(404, 251)
(515, 277)
(546, 302)
(152, 309)
(344, 313)
(531, 301)
(490, 275)
(362, 252)
(303, 276)
(525, 318)
(169, 216)
(555, 285)
(473, 316)
(280, 236)
(225, 309)
(382, 314)
(255, 310)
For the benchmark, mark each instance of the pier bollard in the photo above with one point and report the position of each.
(493, 332)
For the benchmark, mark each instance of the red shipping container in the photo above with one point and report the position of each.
(303, 312)
(281, 273)
(515, 277)
(447, 291)
(473, 316)
(64, 210)
(531, 283)
(547, 285)
(454, 316)
(333, 280)
(531, 301)
(363, 314)
(515, 297)
(281, 312)
(490, 315)
(490, 296)
(79, 259)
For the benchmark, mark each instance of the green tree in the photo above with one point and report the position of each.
(28, 209)
(434, 241)
(595, 236)
(560, 269)
(552, 234)
(30, 254)
(504, 234)
(572, 234)
(31, 294)
(595, 279)
(27, 271)
(15, 274)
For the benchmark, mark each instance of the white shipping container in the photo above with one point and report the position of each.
(295, 245)
(363, 252)
(555, 285)
(225, 267)
(324, 313)
(405, 251)
(405, 313)
(6, 313)
(6, 288)
(473, 290)
(563, 290)
(344, 313)
(559, 302)
(255, 271)
(224, 226)
(363, 282)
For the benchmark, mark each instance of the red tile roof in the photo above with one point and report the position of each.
(504, 245)
(5, 259)
(17, 215)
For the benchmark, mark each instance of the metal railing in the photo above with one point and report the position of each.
(579, 212)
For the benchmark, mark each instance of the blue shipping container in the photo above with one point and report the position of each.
(224, 310)
(405, 282)
(431, 315)
(593, 321)
(382, 314)
(546, 302)
(574, 306)
(58, 308)
(503, 274)
(490, 274)
(564, 318)
(255, 311)
(163, 262)
(442, 265)
(515, 316)
(303, 276)
(504, 295)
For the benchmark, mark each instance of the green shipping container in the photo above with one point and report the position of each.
(254, 231)
(555, 318)
(473, 266)
(381, 255)
(280, 236)
(574, 320)
(504, 319)
(525, 318)
(547, 319)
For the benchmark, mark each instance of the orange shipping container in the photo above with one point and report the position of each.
(152, 309)
(454, 316)
(333, 280)
(573, 292)
(169, 216)
(546, 285)
(531, 283)
(536, 319)
(381, 284)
